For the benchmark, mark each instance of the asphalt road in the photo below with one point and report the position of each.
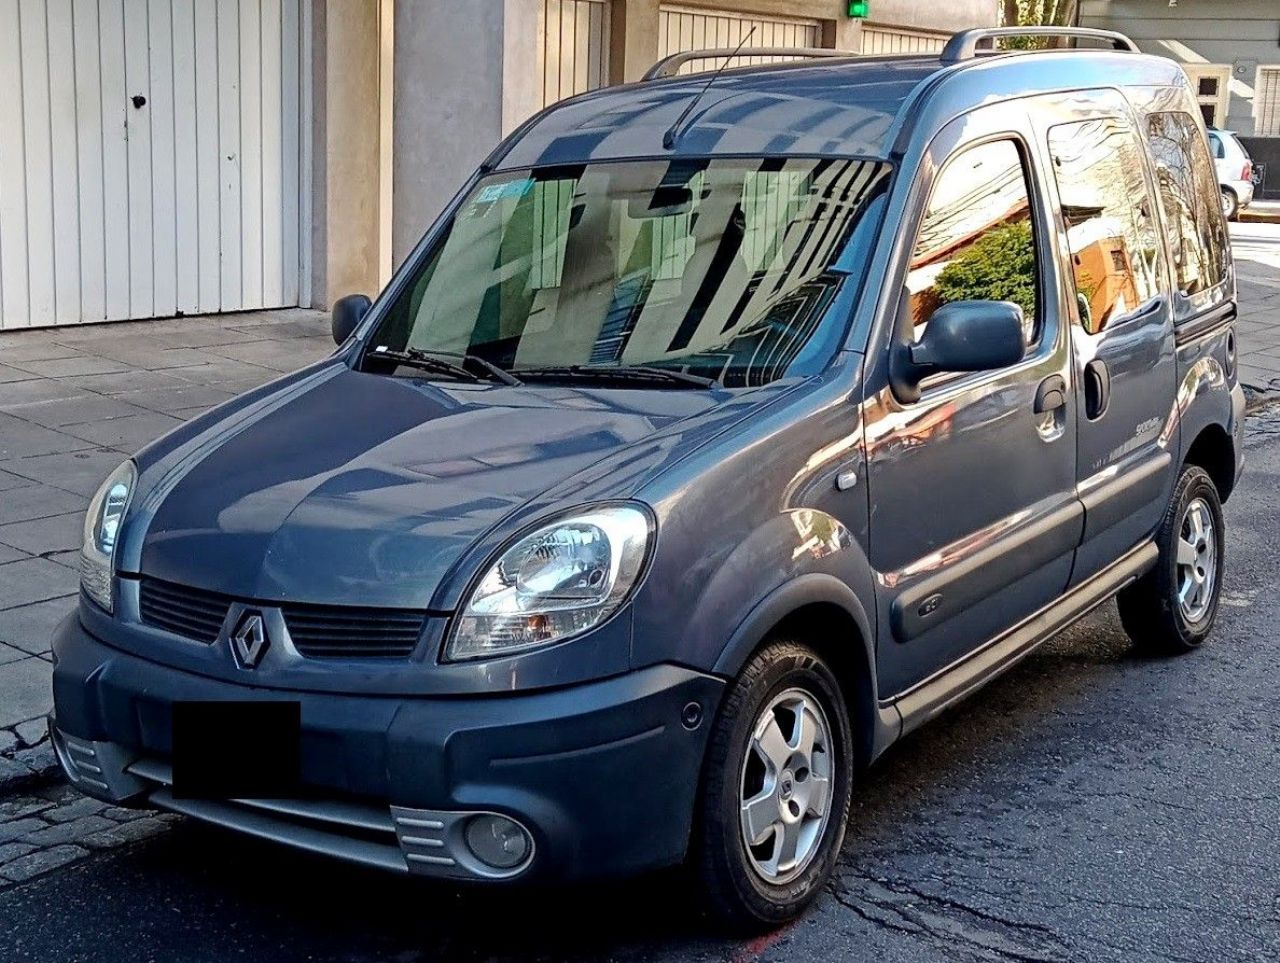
(1090, 805)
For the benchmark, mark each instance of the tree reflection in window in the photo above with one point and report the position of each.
(1189, 198)
(976, 241)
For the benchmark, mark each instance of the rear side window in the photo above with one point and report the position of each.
(1192, 218)
(1111, 227)
(977, 240)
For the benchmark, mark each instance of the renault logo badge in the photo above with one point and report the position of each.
(249, 640)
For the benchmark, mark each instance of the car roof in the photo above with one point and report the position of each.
(835, 107)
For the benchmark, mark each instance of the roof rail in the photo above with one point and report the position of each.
(668, 66)
(964, 45)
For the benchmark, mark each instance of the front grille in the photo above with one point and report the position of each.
(191, 613)
(317, 631)
(346, 632)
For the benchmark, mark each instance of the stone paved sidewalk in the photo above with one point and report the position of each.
(53, 826)
(1257, 253)
(74, 403)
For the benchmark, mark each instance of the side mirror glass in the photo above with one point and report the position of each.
(346, 316)
(962, 336)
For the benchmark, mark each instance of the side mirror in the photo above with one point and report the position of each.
(346, 316)
(962, 336)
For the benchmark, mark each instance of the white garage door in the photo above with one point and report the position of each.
(877, 39)
(693, 28)
(148, 158)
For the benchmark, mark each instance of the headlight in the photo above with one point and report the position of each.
(554, 583)
(101, 529)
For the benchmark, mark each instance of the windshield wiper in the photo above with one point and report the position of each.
(417, 358)
(499, 374)
(633, 374)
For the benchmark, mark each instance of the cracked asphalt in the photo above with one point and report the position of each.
(1090, 805)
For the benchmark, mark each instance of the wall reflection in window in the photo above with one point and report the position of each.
(1111, 230)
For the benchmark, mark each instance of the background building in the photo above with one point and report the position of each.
(197, 156)
(1230, 49)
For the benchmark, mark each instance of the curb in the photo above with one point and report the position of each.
(1255, 398)
(28, 767)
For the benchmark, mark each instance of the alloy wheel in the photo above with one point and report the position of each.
(1197, 561)
(786, 786)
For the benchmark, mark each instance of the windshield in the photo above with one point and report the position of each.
(718, 268)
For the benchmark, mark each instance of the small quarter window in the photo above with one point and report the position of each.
(977, 240)
(1192, 218)
(1111, 227)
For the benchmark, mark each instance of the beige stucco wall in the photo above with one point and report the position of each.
(344, 138)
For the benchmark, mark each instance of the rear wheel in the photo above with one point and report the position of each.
(1172, 608)
(776, 788)
(1230, 203)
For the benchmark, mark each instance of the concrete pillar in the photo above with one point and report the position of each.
(466, 74)
(633, 40)
(345, 182)
(842, 33)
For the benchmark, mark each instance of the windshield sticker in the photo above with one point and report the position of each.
(508, 189)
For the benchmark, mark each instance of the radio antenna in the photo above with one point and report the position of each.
(674, 131)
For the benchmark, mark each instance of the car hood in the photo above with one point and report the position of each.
(342, 487)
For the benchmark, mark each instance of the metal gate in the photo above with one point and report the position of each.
(878, 39)
(575, 47)
(1266, 101)
(692, 28)
(149, 160)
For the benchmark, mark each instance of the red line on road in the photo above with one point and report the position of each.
(754, 949)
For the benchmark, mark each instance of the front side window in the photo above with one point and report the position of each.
(1193, 220)
(977, 240)
(1111, 228)
(717, 268)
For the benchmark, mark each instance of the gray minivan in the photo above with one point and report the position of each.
(724, 429)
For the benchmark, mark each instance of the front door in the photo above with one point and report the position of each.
(974, 515)
(1122, 332)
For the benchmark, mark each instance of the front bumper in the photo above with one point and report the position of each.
(603, 775)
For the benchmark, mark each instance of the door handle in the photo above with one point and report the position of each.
(1051, 395)
(1097, 389)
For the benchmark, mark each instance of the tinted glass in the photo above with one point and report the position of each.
(1111, 228)
(1192, 217)
(1219, 151)
(977, 240)
(720, 268)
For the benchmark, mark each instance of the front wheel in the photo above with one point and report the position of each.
(776, 789)
(1171, 609)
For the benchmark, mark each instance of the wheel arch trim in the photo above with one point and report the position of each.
(884, 723)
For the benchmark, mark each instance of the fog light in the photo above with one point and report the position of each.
(497, 841)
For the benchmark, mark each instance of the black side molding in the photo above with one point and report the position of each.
(947, 593)
(934, 695)
(1206, 322)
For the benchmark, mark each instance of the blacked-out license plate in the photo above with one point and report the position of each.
(236, 750)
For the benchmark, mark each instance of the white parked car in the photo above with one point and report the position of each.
(1235, 172)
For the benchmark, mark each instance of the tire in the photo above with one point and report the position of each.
(784, 681)
(1161, 612)
(1230, 204)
